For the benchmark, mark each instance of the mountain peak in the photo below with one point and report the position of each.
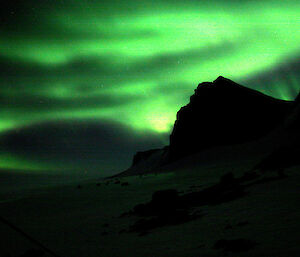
(221, 84)
(221, 79)
(223, 112)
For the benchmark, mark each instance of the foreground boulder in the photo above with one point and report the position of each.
(235, 245)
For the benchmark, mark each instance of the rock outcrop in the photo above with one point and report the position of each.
(146, 161)
(222, 113)
(287, 152)
(143, 156)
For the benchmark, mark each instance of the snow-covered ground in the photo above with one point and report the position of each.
(85, 222)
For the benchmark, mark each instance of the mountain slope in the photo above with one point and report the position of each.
(224, 121)
(224, 113)
(286, 154)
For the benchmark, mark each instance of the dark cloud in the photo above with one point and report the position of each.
(22, 82)
(23, 78)
(103, 143)
(28, 20)
(284, 76)
(59, 34)
(181, 59)
(24, 103)
(85, 65)
(102, 66)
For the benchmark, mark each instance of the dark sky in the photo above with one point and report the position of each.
(90, 82)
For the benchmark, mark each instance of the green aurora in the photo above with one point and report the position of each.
(137, 62)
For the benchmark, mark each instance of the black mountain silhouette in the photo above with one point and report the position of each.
(224, 113)
(287, 152)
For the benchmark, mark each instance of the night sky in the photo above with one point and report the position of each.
(85, 84)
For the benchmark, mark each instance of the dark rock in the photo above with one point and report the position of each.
(249, 175)
(141, 209)
(281, 158)
(228, 189)
(227, 178)
(281, 173)
(228, 226)
(79, 186)
(163, 198)
(242, 223)
(33, 253)
(141, 156)
(167, 201)
(174, 218)
(235, 245)
(222, 113)
(5, 254)
(125, 184)
(286, 153)
(143, 233)
(165, 209)
(163, 202)
(168, 208)
(146, 161)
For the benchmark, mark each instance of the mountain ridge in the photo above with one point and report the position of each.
(220, 113)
